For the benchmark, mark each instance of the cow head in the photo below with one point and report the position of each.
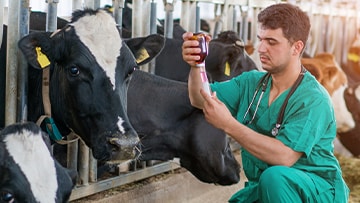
(90, 68)
(28, 172)
(227, 57)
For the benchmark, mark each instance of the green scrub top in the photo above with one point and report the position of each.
(308, 126)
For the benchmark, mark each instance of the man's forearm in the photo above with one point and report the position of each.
(194, 86)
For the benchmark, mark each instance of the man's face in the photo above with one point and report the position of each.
(274, 49)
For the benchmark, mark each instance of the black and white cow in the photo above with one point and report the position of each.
(227, 58)
(209, 159)
(28, 172)
(169, 127)
(90, 68)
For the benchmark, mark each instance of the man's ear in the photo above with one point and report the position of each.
(298, 47)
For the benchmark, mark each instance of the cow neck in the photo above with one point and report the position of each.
(51, 128)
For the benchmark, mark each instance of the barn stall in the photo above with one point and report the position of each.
(327, 17)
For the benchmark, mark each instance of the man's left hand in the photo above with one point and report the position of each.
(216, 113)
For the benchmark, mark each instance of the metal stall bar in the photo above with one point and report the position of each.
(153, 13)
(136, 18)
(118, 6)
(197, 17)
(169, 20)
(153, 30)
(72, 153)
(184, 20)
(2, 4)
(83, 163)
(51, 15)
(218, 21)
(230, 13)
(145, 19)
(351, 29)
(244, 30)
(23, 66)
(12, 63)
(233, 18)
(92, 3)
(93, 169)
(2, 70)
(76, 4)
(218, 11)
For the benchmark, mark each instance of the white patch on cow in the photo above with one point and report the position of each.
(33, 157)
(120, 125)
(100, 34)
(344, 119)
(357, 93)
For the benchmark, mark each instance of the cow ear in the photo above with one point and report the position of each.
(145, 48)
(330, 72)
(33, 46)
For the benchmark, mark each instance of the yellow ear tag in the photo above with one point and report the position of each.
(353, 57)
(227, 69)
(142, 55)
(42, 58)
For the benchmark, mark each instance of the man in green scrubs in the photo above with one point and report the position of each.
(283, 118)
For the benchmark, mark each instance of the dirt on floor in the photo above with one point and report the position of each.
(181, 183)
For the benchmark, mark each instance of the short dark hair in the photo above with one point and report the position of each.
(291, 19)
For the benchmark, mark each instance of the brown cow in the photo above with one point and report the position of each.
(352, 67)
(327, 71)
(351, 139)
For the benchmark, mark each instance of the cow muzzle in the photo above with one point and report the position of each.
(124, 146)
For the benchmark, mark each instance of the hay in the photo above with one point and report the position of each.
(350, 168)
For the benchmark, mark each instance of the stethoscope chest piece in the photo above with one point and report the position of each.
(275, 130)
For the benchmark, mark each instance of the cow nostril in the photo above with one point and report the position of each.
(124, 146)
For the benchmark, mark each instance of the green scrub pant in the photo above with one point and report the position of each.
(281, 184)
(284, 184)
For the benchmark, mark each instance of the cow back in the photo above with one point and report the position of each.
(169, 127)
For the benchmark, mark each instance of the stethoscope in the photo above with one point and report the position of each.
(263, 85)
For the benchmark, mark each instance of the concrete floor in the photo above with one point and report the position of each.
(179, 187)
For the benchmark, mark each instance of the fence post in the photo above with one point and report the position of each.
(23, 65)
(51, 15)
(12, 63)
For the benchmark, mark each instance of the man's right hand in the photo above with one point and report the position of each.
(189, 53)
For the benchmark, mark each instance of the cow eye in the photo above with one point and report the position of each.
(6, 196)
(74, 70)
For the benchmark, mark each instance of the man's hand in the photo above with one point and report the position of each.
(216, 113)
(189, 53)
